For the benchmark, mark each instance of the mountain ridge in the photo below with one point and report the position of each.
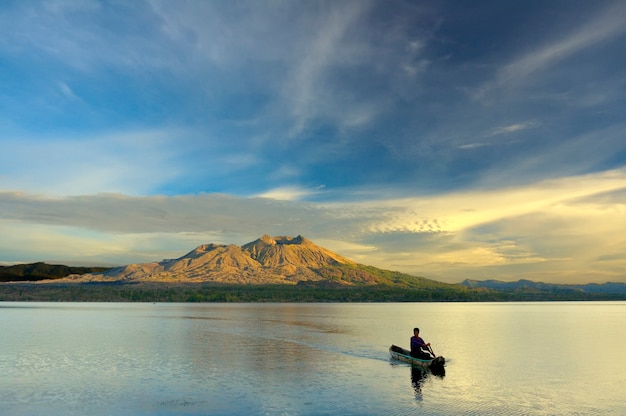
(42, 271)
(266, 260)
(296, 262)
(529, 285)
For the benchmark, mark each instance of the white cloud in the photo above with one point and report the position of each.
(474, 145)
(512, 128)
(288, 193)
(459, 211)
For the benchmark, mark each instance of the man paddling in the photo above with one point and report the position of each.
(420, 349)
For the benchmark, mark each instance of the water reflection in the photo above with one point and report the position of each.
(438, 371)
(419, 376)
(175, 359)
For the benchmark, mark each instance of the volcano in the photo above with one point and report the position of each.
(282, 259)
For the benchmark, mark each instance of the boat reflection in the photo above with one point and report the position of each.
(438, 370)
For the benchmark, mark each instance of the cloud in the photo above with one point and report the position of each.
(128, 162)
(474, 145)
(309, 93)
(606, 25)
(117, 213)
(500, 131)
(67, 91)
(288, 193)
(252, 83)
(294, 55)
(544, 157)
(533, 65)
(516, 127)
(77, 34)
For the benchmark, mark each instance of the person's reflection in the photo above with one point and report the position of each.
(419, 376)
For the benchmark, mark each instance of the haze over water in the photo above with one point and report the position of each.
(310, 359)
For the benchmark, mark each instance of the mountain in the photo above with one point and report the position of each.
(530, 286)
(277, 269)
(272, 269)
(41, 271)
(282, 259)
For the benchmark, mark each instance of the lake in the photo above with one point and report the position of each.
(310, 359)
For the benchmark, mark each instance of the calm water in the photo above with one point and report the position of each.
(310, 359)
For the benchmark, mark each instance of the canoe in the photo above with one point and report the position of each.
(401, 354)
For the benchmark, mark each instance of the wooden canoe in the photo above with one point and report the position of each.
(401, 354)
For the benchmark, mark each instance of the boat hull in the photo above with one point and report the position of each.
(401, 354)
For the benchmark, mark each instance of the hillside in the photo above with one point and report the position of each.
(267, 260)
(41, 271)
(528, 286)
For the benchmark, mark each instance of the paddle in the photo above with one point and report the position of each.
(431, 351)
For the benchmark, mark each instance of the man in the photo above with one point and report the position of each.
(419, 349)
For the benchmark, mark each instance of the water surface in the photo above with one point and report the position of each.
(310, 359)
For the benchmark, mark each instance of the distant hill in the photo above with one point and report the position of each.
(42, 271)
(267, 260)
(540, 287)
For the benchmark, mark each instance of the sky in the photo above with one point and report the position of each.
(446, 139)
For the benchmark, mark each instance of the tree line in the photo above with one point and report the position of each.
(160, 292)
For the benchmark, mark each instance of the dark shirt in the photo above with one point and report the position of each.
(417, 344)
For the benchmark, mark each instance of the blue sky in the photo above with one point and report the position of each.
(446, 139)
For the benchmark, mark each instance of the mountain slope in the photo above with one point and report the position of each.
(283, 259)
(280, 251)
(41, 271)
(530, 286)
